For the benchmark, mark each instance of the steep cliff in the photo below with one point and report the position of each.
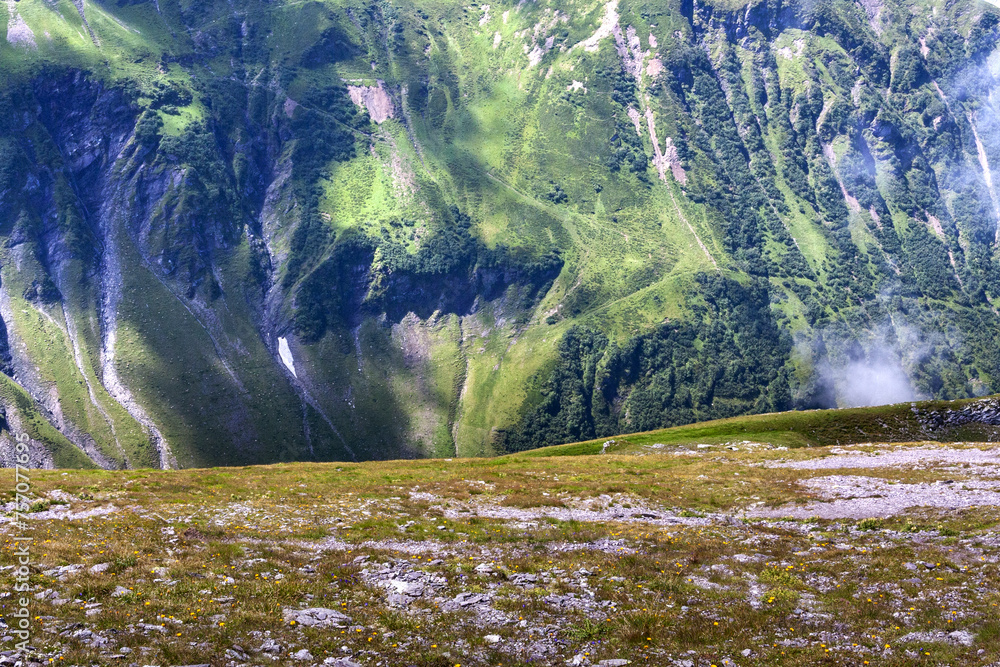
(252, 232)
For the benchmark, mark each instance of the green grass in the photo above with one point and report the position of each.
(64, 453)
(810, 428)
(644, 591)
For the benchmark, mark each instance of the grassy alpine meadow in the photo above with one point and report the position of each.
(712, 553)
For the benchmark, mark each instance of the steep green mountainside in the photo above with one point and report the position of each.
(268, 231)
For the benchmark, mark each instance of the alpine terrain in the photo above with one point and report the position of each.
(343, 230)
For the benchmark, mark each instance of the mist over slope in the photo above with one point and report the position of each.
(254, 232)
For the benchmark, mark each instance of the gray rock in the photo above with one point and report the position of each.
(149, 627)
(270, 646)
(523, 579)
(120, 592)
(316, 617)
(614, 662)
(410, 588)
(304, 654)
(963, 637)
(468, 599)
(492, 639)
(47, 594)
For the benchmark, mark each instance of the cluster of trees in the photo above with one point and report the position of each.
(626, 145)
(728, 359)
(323, 127)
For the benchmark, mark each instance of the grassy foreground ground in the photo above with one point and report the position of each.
(736, 554)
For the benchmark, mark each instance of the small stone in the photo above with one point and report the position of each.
(523, 579)
(614, 662)
(304, 654)
(468, 599)
(406, 587)
(963, 637)
(120, 592)
(99, 568)
(270, 646)
(492, 639)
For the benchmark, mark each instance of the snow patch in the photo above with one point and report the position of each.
(286, 355)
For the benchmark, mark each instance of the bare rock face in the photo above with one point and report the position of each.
(18, 32)
(375, 99)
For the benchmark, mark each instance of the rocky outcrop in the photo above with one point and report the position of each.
(982, 412)
(375, 99)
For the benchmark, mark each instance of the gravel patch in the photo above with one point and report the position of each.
(898, 458)
(856, 497)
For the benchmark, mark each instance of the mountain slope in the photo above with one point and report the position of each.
(336, 230)
(974, 420)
